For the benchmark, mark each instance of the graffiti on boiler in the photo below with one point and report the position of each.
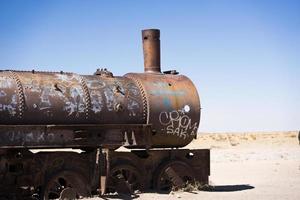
(178, 123)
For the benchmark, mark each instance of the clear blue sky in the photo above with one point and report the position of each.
(244, 56)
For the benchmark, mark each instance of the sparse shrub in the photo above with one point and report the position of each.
(193, 186)
(253, 137)
(292, 136)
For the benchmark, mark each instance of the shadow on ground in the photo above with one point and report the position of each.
(216, 188)
(120, 196)
(229, 188)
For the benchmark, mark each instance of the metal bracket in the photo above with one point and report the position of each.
(104, 169)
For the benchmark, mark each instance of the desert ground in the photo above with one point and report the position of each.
(260, 165)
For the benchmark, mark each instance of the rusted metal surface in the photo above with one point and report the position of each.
(151, 48)
(128, 171)
(104, 169)
(173, 175)
(173, 108)
(77, 136)
(151, 167)
(67, 98)
(97, 114)
(124, 179)
(169, 103)
(66, 185)
(26, 172)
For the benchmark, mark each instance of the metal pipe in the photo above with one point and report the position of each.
(151, 48)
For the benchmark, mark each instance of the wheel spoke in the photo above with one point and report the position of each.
(55, 186)
(181, 170)
(165, 184)
(66, 179)
(130, 174)
(125, 173)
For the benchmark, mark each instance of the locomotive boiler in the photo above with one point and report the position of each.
(99, 113)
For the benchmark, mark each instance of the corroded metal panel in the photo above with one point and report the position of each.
(95, 112)
(173, 108)
(68, 98)
(9, 97)
(151, 49)
(75, 136)
(114, 100)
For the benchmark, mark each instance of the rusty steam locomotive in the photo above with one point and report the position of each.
(152, 114)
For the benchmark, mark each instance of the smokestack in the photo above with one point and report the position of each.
(151, 48)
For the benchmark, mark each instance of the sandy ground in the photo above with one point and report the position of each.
(247, 166)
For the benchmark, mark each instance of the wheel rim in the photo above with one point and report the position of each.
(66, 184)
(56, 186)
(124, 179)
(164, 183)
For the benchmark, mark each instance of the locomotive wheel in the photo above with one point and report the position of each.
(65, 185)
(124, 179)
(173, 175)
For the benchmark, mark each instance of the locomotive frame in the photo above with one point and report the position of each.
(61, 160)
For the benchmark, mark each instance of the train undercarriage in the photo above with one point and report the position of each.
(89, 164)
(60, 132)
(61, 174)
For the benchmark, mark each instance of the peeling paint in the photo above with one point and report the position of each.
(45, 102)
(96, 99)
(132, 106)
(110, 100)
(6, 82)
(2, 93)
(58, 98)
